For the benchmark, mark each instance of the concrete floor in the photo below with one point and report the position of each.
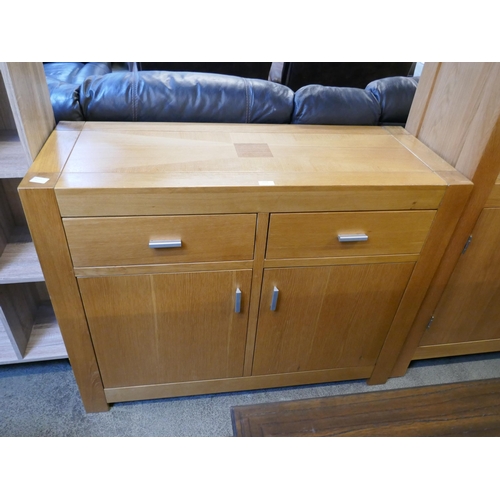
(42, 399)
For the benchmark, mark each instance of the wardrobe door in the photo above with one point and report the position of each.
(469, 309)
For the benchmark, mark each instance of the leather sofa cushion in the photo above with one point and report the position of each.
(184, 97)
(395, 96)
(244, 69)
(317, 104)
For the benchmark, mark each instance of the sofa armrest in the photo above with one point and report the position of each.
(65, 100)
(395, 95)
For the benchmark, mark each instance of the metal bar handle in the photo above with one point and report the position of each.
(347, 238)
(237, 302)
(165, 243)
(274, 300)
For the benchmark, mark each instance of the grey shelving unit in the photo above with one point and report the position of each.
(28, 328)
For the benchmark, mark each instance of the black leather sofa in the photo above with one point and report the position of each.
(95, 92)
(340, 74)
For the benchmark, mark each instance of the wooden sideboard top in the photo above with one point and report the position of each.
(237, 168)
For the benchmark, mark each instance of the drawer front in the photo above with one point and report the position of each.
(317, 234)
(122, 241)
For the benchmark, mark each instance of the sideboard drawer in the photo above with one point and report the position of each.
(120, 241)
(309, 235)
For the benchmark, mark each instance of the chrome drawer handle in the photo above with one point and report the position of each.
(347, 238)
(165, 244)
(237, 303)
(274, 300)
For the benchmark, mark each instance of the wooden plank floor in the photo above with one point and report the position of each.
(460, 409)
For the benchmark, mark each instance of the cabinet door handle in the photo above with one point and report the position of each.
(165, 243)
(347, 238)
(237, 302)
(274, 300)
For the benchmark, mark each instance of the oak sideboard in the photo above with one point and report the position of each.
(190, 258)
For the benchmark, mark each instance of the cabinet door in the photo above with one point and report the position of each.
(326, 317)
(469, 309)
(162, 328)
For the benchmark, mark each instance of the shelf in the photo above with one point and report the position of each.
(45, 342)
(28, 328)
(13, 161)
(19, 264)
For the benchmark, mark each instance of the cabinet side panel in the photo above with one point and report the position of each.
(47, 231)
(484, 179)
(444, 224)
(420, 101)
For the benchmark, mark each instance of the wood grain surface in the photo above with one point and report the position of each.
(456, 109)
(462, 409)
(30, 105)
(471, 143)
(18, 307)
(316, 234)
(456, 349)
(154, 329)
(469, 309)
(435, 246)
(176, 389)
(119, 241)
(326, 317)
(12, 157)
(158, 169)
(494, 198)
(46, 228)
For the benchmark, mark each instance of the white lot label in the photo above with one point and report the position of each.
(39, 180)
